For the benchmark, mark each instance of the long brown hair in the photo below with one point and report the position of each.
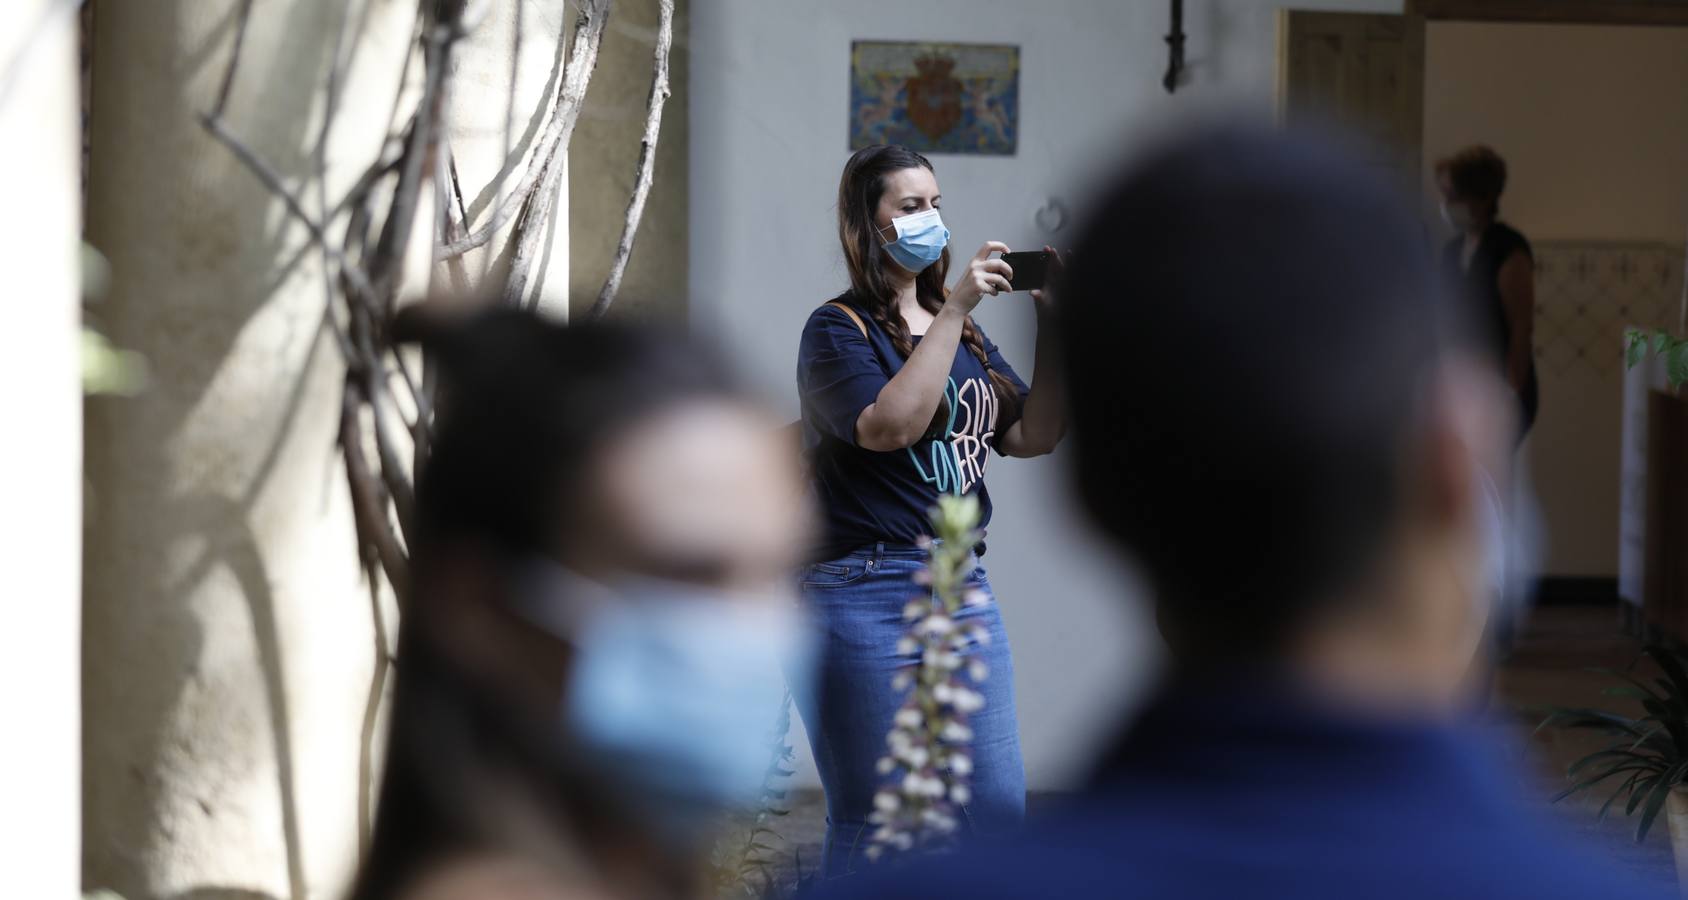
(859, 191)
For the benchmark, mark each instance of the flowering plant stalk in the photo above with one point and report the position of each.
(928, 765)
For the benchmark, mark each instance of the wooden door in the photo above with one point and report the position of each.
(1363, 72)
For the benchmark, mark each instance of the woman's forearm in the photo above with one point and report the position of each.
(1043, 422)
(905, 406)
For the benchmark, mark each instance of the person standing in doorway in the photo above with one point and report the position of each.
(1494, 265)
(1491, 264)
(904, 398)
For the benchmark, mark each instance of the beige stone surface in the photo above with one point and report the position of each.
(228, 645)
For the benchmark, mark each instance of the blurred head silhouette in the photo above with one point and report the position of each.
(590, 656)
(1275, 412)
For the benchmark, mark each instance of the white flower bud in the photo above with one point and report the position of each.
(907, 717)
(886, 765)
(961, 764)
(907, 646)
(913, 784)
(914, 610)
(903, 841)
(886, 802)
(975, 597)
(937, 624)
(955, 732)
(919, 757)
(902, 681)
(969, 701)
(923, 578)
(943, 692)
(961, 795)
(981, 636)
(978, 670)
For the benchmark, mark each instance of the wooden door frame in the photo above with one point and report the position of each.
(1584, 12)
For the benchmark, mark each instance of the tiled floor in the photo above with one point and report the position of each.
(1549, 666)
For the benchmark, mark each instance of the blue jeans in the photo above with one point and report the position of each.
(857, 604)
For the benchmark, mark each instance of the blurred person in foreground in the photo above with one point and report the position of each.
(590, 662)
(1288, 439)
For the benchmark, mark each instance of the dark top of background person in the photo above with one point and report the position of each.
(868, 496)
(1476, 179)
(1242, 423)
(473, 765)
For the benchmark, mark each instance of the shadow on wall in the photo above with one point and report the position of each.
(166, 552)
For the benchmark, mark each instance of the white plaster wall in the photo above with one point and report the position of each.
(769, 103)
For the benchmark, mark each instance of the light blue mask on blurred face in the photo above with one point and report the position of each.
(921, 239)
(674, 691)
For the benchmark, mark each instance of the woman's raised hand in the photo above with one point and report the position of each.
(983, 275)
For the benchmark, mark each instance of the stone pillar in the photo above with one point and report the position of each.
(41, 481)
(228, 643)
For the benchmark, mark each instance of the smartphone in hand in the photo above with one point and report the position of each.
(1031, 269)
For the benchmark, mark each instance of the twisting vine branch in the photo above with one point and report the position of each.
(647, 160)
(571, 93)
(387, 407)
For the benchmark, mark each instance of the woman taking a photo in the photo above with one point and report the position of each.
(904, 398)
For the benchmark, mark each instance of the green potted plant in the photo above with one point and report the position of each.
(1672, 349)
(1646, 757)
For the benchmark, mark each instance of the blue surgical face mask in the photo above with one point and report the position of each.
(921, 239)
(674, 692)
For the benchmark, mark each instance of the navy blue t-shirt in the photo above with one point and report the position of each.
(868, 496)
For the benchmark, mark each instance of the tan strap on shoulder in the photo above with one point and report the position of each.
(860, 325)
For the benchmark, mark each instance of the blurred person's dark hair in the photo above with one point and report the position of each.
(524, 409)
(1250, 320)
(1477, 175)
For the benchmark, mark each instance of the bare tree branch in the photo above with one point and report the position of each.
(419, 150)
(536, 218)
(393, 473)
(509, 128)
(242, 17)
(369, 507)
(577, 75)
(267, 175)
(529, 236)
(647, 162)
